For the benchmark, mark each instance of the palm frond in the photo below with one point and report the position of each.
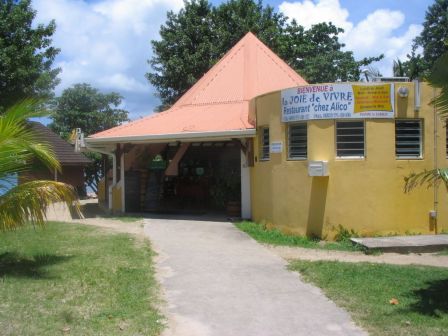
(18, 144)
(439, 79)
(428, 177)
(20, 150)
(441, 102)
(28, 202)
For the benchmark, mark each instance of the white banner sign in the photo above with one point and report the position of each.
(335, 101)
(276, 147)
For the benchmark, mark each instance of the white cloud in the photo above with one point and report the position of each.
(374, 35)
(309, 12)
(107, 43)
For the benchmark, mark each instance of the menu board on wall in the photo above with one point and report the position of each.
(336, 101)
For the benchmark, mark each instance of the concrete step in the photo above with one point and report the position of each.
(405, 244)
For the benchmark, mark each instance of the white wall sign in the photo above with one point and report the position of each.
(335, 101)
(276, 147)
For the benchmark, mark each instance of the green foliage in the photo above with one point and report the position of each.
(79, 277)
(439, 79)
(82, 106)
(275, 237)
(194, 39)
(26, 54)
(365, 290)
(430, 178)
(433, 40)
(435, 33)
(343, 234)
(19, 150)
(317, 54)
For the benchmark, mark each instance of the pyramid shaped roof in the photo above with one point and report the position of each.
(219, 102)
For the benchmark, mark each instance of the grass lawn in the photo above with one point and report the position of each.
(276, 237)
(78, 280)
(443, 252)
(365, 290)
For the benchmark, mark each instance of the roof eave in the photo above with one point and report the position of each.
(157, 138)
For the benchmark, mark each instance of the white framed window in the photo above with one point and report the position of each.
(350, 139)
(408, 139)
(297, 141)
(264, 144)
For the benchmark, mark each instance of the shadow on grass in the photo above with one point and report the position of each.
(15, 265)
(433, 299)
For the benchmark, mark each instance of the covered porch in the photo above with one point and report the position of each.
(201, 175)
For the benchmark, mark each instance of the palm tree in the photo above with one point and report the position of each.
(438, 79)
(398, 69)
(19, 152)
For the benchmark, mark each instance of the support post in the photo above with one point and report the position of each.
(246, 207)
(107, 196)
(122, 181)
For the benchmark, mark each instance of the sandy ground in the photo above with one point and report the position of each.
(428, 259)
(135, 228)
(289, 253)
(182, 324)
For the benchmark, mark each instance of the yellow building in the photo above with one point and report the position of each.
(308, 160)
(366, 160)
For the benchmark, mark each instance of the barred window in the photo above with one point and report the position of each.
(264, 144)
(408, 138)
(350, 139)
(297, 141)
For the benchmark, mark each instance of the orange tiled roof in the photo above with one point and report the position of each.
(219, 101)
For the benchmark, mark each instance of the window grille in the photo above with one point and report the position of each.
(264, 144)
(408, 138)
(297, 141)
(350, 139)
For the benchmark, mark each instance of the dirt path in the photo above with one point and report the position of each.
(287, 252)
(427, 259)
(135, 228)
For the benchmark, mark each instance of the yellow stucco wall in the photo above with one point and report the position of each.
(361, 194)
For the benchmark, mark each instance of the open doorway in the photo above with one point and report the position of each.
(187, 178)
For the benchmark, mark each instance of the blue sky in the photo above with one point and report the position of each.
(107, 42)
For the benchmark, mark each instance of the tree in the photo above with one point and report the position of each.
(26, 54)
(194, 39)
(185, 52)
(434, 33)
(439, 79)
(82, 106)
(432, 41)
(317, 54)
(19, 152)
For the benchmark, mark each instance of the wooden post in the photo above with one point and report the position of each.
(106, 180)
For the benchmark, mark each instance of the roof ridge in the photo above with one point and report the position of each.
(217, 102)
(221, 69)
(225, 59)
(281, 66)
(247, 70)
